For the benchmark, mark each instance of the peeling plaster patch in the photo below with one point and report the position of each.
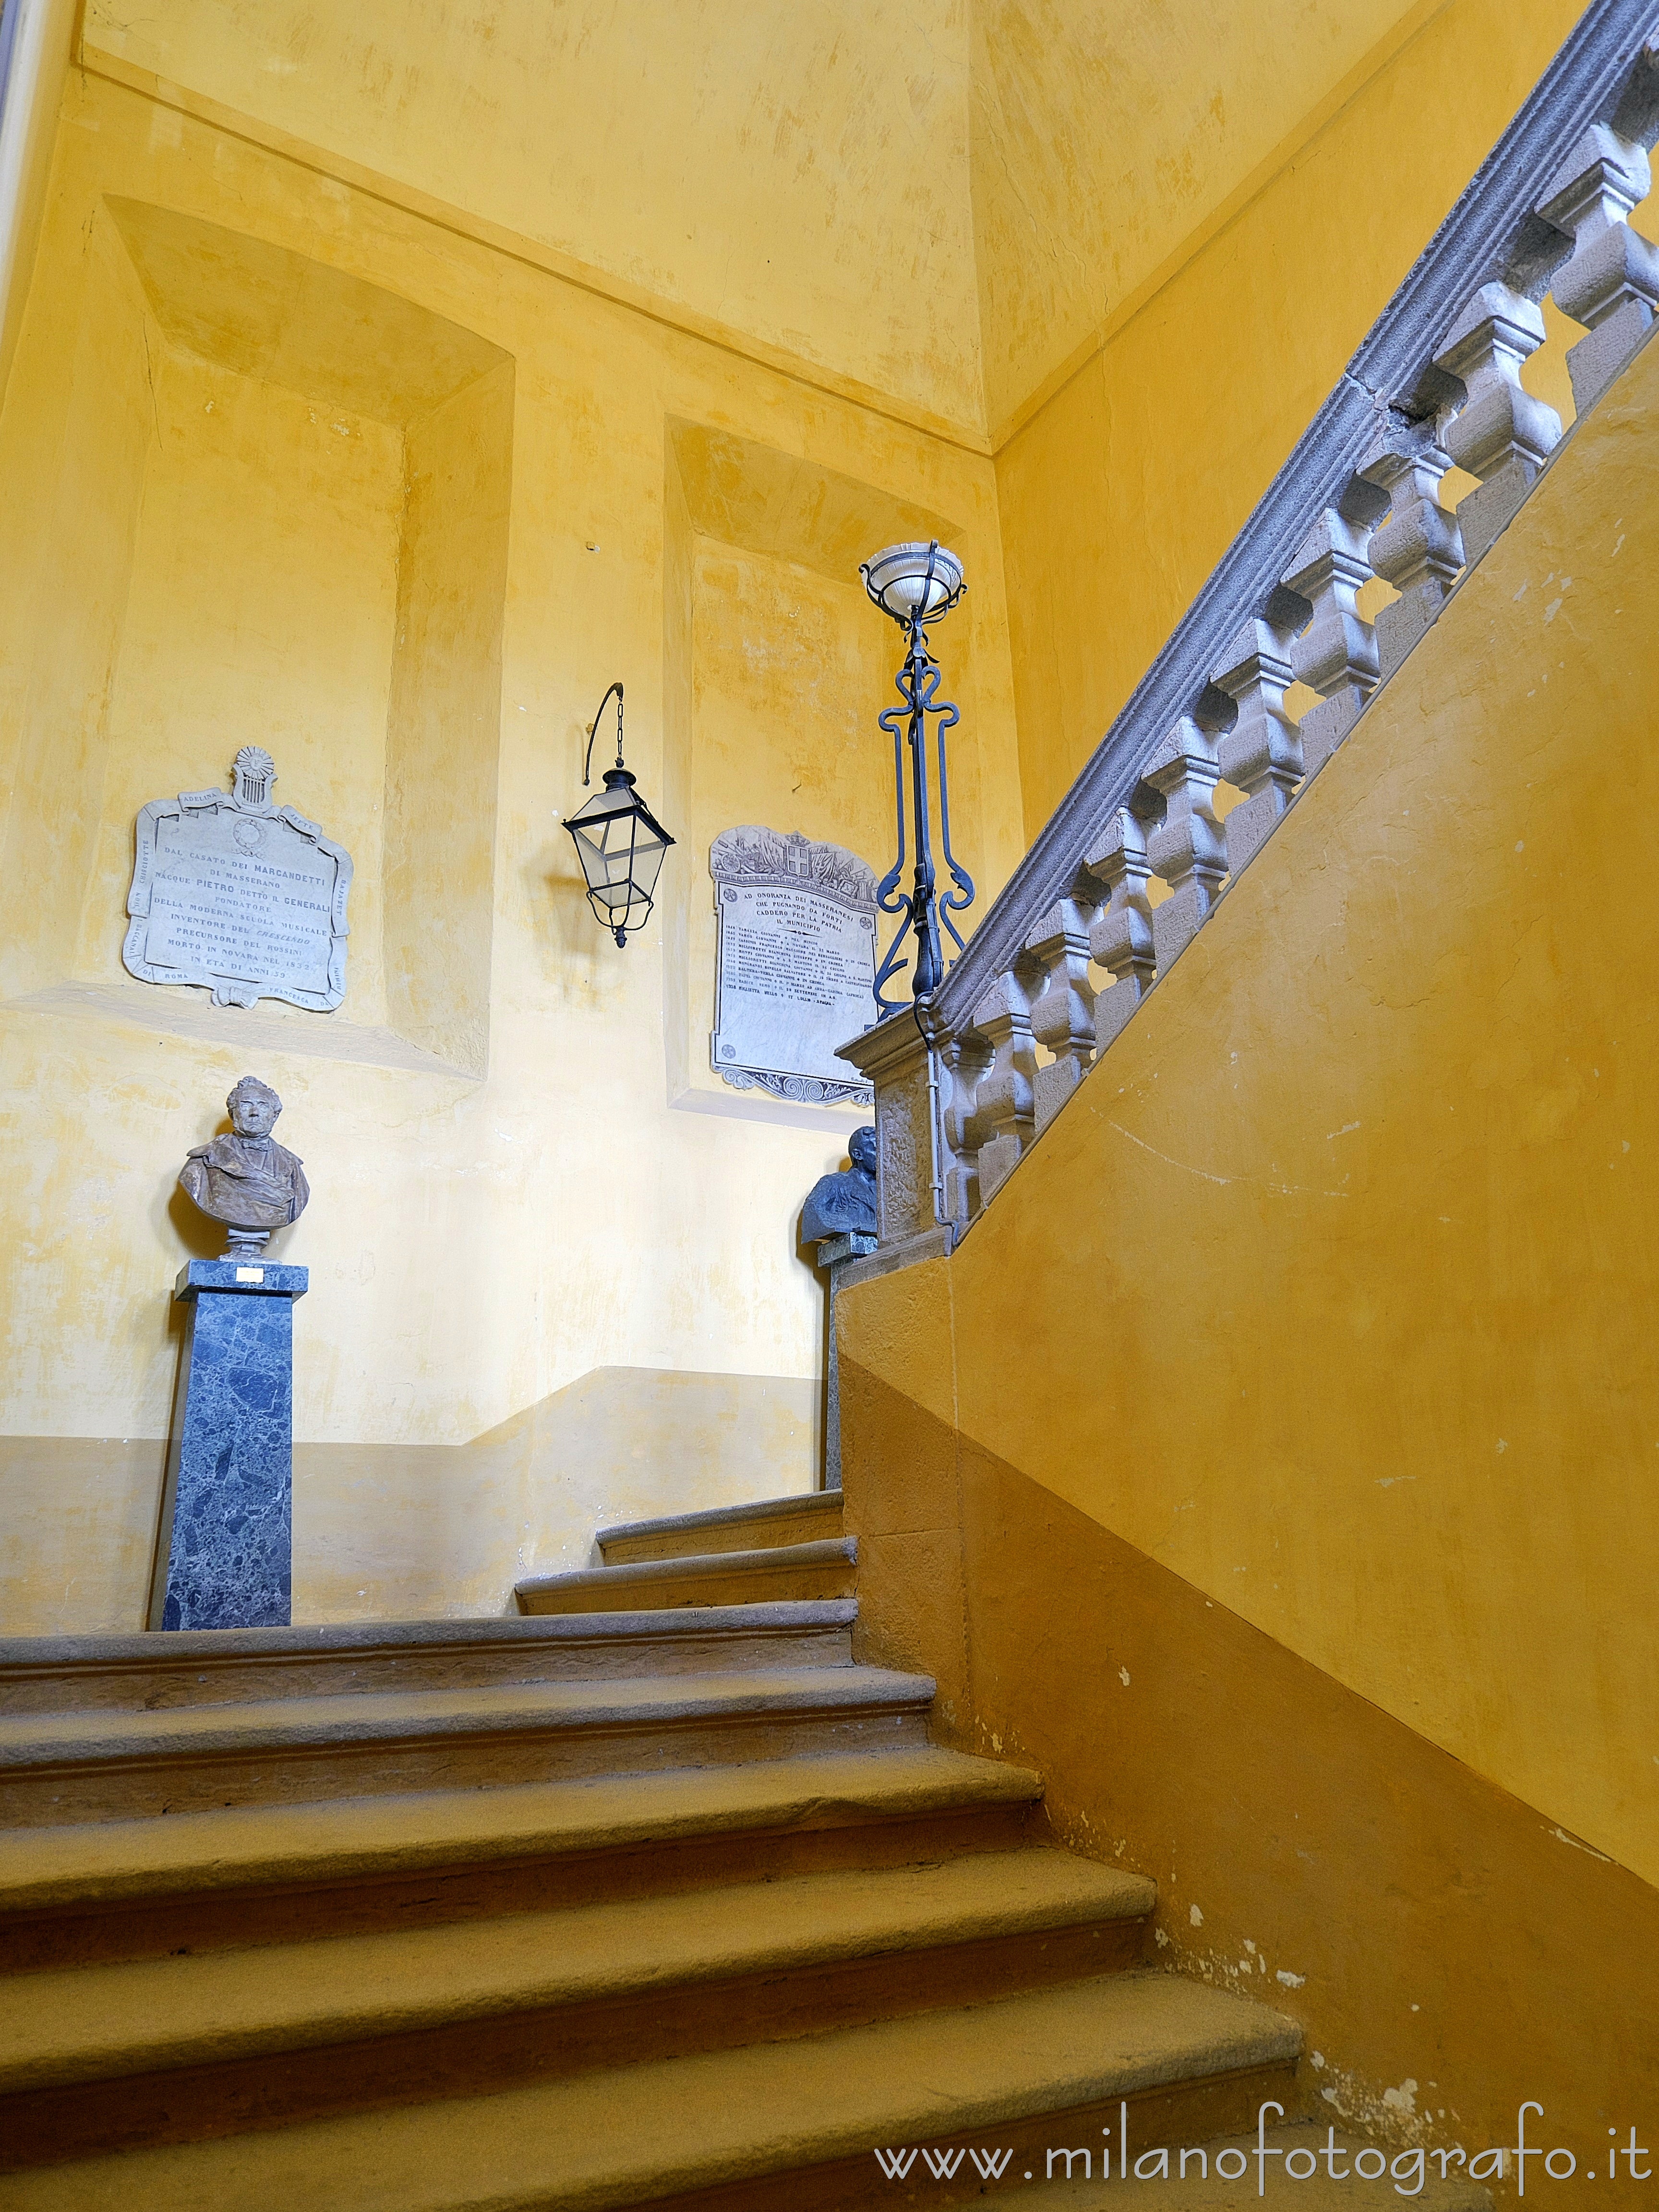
(1562, 1836)
(1344, 1130)
(1502, 1444)
(1318, 2061)
(1329, 2095)
(1249, 1946)
(1404, 2099)
(1163, 1938)
(1195, 1917)
(1293, 1981)
(1387, 1481)
(1552, 611)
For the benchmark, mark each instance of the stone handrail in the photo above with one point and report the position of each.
(960, 1092)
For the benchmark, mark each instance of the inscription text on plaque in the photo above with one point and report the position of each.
(245, 898)
(794, 964)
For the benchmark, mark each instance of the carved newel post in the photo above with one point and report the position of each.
(840, 1217)
(224, 1555)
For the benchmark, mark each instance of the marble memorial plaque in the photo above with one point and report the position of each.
(795, 963)
(242, 898)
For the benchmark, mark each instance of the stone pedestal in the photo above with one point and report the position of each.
(224, 1558)
(834, 1253)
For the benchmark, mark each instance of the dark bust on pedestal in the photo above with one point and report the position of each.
(225, 1548)
(844, 1204)
(839, 1217)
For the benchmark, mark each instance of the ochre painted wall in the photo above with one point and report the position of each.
(313, 471)
(1449, 1952)
(1119, 496)
(1326, 1303)
(1104, 137)
(793, 172)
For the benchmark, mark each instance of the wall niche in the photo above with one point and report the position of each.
(300, 533)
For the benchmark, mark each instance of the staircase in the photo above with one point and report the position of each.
(599, 1907)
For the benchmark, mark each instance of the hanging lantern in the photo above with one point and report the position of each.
(619, 842)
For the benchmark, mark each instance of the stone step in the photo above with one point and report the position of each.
(811, 1517)
(200, 1881)
(111, 1766)
(224, 1665)
(102, 2058)
(785, 1573)
(792, 2122)
(1329, 2187)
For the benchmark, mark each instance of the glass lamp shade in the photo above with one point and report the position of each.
(620, 844)
(907, 580)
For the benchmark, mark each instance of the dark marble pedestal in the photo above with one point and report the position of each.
(834, 1253)
(225, 1555)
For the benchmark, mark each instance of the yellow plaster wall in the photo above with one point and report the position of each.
(1118, 496)
(316, 472)
(385, 1531)
(1104, 137)
(780, 673)
(1329, 1292)
(41, 46)
(793, 171)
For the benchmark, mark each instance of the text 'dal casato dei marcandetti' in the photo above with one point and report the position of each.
(241, 896)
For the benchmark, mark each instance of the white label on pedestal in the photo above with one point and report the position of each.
(234, 894)
(795, 963)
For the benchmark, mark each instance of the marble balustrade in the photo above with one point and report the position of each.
(1064, 956)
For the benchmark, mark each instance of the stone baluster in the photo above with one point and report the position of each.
(1500, 434)
(1336, 655)
(1004, 1118)
(1063, 1010)
(1120, 934)
(1188, 848)
(964, 1058)
(1261, 754)
(1418, 550)
(1611, 282)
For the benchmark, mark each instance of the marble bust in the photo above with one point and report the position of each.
(247, 1179)
(844, 1204)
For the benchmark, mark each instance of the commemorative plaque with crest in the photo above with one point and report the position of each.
(795, 966)
(239, 896)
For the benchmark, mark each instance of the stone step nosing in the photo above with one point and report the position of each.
(174, 2040)
(558, 1648)
(120, 1866)
(715, 2119)
(697, 1567)
(282, 1728)
(23, 1657)
(827, 1501)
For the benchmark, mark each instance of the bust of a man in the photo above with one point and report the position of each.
(247, 1179)
(844, 1204)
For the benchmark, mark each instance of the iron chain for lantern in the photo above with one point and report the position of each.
(619, 842)
(917, 584)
